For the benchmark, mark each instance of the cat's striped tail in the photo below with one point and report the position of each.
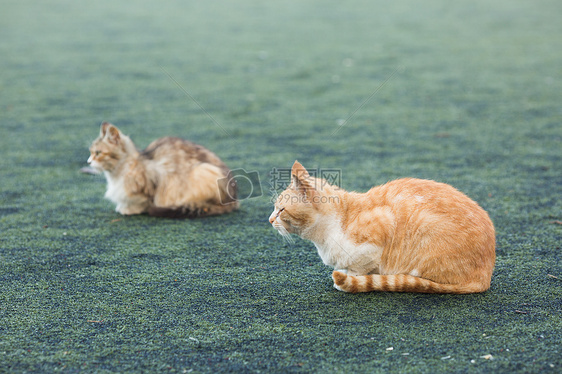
(400, 283)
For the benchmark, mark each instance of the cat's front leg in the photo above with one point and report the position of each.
(128, 211)
(132, 207)
(335, 285)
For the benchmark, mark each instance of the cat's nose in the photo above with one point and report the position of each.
(90, 159)
(272, 218)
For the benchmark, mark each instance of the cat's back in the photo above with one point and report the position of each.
(421, 192)
(422, 202)
(178, 150)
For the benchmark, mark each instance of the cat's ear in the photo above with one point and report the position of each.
(299, 170)
(300, 181)
(103, 128)
(112, 134)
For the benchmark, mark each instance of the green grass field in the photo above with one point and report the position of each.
(467, 93)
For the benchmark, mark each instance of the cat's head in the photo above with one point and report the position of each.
(306, 201)
(110, 148)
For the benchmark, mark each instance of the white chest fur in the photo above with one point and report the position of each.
(115, 189)
(337, 250)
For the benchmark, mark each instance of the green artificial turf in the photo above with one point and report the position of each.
(465, 92)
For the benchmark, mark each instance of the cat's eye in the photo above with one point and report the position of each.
(279, 212)
(97, 153)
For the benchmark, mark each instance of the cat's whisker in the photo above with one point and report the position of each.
(289, 239)
(284, 233)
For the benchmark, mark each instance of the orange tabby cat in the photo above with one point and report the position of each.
(409, 235)
(172, 177)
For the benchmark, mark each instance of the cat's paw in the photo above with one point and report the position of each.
(339, 278)
(338, 288)
(128, 211)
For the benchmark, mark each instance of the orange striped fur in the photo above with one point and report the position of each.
(172, 177)
(409, 235)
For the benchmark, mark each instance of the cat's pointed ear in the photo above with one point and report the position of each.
(300, 180)
(299, 170)
(103, 128)
(112, 134)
